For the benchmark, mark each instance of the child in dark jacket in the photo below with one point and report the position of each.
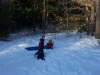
(41, 43)
(40, 52)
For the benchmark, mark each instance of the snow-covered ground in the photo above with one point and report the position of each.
(71, 55)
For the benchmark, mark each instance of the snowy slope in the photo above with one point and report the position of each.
(72, 55)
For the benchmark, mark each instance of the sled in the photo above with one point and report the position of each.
(31, 48)
(36, 48)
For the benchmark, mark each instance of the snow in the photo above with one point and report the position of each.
(71, 55)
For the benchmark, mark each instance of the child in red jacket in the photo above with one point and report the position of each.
(50, 44)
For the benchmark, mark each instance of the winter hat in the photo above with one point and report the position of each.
(43, 36)
(50, 40)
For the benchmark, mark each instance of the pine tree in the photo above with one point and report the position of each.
(23, 13)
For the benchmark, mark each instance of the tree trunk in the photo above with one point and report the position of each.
(97, 19)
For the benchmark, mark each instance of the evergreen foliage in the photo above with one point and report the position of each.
(59, 14)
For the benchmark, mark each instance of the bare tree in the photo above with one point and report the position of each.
(98, 19)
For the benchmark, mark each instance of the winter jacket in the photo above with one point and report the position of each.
(41, 44)
(50, 45)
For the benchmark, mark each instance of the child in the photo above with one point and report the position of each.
(50, 44)
(40, 52)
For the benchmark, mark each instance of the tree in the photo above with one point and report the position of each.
(98, 19)
(23, 13)
(4, 18)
